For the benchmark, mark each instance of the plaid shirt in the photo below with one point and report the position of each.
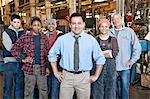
(24, 47)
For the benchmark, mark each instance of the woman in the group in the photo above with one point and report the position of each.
(104, 87)
(32, 49)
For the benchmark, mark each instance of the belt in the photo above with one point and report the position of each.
(75, 72)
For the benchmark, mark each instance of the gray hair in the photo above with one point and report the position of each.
(117, 14)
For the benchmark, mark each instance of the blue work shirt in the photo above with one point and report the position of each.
(88, 48)
(129, 47)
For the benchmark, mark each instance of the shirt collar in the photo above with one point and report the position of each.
(119, 29)
(52, 33)
(80, 35)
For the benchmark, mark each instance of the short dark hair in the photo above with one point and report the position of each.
(35, 18)
(77, 15)
(15, 16)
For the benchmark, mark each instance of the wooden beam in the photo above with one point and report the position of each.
(56, 6)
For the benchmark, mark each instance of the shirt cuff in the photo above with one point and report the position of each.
(101, 62)
(132, 61)
(52, 59)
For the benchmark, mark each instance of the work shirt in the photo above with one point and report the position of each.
(88, 49)
(129, 47)
(25, 47)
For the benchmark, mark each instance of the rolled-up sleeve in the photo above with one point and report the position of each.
(54, 51)
(97, 54)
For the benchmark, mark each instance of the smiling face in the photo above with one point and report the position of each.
(52, 26)
(36, 26)
(16, 23)
(117, 21)
(104, 28)
(77, 25)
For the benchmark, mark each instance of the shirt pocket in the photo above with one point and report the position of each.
(125, 39)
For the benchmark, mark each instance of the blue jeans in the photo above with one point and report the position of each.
(13, 78)
(125, 82)
(133, 73)
(53, 87)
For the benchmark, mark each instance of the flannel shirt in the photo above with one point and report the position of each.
(24, 47)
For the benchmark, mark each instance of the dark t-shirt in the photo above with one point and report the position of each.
(37, 44)
(109, 45)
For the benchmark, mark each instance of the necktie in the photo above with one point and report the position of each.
(76, 54)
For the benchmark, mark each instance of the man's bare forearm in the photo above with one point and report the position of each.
(58, 74)
(98, 70)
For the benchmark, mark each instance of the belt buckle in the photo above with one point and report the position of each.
(78, 72)
(74, 72)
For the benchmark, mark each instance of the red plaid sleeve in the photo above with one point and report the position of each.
(17, 49)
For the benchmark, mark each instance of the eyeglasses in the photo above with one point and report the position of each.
(51, 23)
(104, 27)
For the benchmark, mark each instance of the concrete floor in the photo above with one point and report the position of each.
(136, 91)
(139, 92)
